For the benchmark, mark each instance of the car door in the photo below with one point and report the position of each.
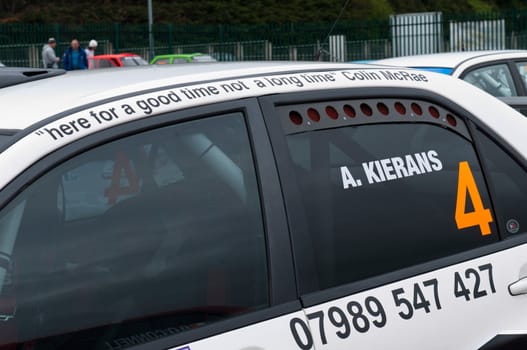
(167, 232)
(399, 239)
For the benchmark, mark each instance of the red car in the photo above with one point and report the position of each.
(116, 60)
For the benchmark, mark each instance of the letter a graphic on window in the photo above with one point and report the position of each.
(121, 165)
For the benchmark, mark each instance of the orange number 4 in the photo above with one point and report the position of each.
(480, 216)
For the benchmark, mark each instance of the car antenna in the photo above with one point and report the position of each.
(321, 50)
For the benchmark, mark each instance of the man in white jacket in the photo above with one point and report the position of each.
(49, 59)
(90, 52)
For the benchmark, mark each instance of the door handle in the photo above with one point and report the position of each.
(519, 287)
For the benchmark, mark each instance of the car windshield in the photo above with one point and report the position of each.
(133, 61)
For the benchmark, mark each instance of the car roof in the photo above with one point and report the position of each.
(44, 106)
(448, 59)
(78, 88)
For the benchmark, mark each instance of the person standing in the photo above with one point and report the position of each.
(49, 59)
(75, 58)
(90, 51)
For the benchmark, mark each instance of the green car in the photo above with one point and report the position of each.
(182, 58)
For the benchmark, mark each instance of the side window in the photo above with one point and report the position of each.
(134, 240)
(103, 63)
(162, 61)
(522, 69)
(496, 80)
(508, 183)
(179, 61)
(380, 193)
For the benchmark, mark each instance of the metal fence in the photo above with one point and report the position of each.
(21, 44)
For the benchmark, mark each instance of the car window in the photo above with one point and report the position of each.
(133, 61)
(379, 196)
(140, 61)
(494, 79)
(103, 63)
(179, 61)
(508, 184)
(138, 239)
(162, 61)
(522, 69)
(128, 62)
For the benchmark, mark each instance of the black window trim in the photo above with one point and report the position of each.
(282, 282)
(221, 327)
(298, 229)
(516, 76)
(513, 63)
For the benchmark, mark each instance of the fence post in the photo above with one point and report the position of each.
(293, 53)
(221, 39)
(33, 57)
(57, 32)
(116, 37)
(170, 38)
(268, 50)
(239, 51)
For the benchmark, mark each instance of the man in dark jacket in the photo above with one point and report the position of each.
(75, 58)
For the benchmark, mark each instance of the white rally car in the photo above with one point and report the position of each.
(500, 73)
(261, 206)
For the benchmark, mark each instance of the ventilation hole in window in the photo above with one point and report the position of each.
(366, 109)
(332, 112)
(433, 112)
(400, 108)
(451, 120)
(382, 108)
(350, 111)
(416, 109)
(295, 117)
(313, 114)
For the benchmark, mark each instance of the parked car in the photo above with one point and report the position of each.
(182, 58)
(2, 65)
(116, 60)
(261, 206)
(500, 73)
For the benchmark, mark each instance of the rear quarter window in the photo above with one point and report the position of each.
(380, 193)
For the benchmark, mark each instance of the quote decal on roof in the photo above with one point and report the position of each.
(130, 108)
